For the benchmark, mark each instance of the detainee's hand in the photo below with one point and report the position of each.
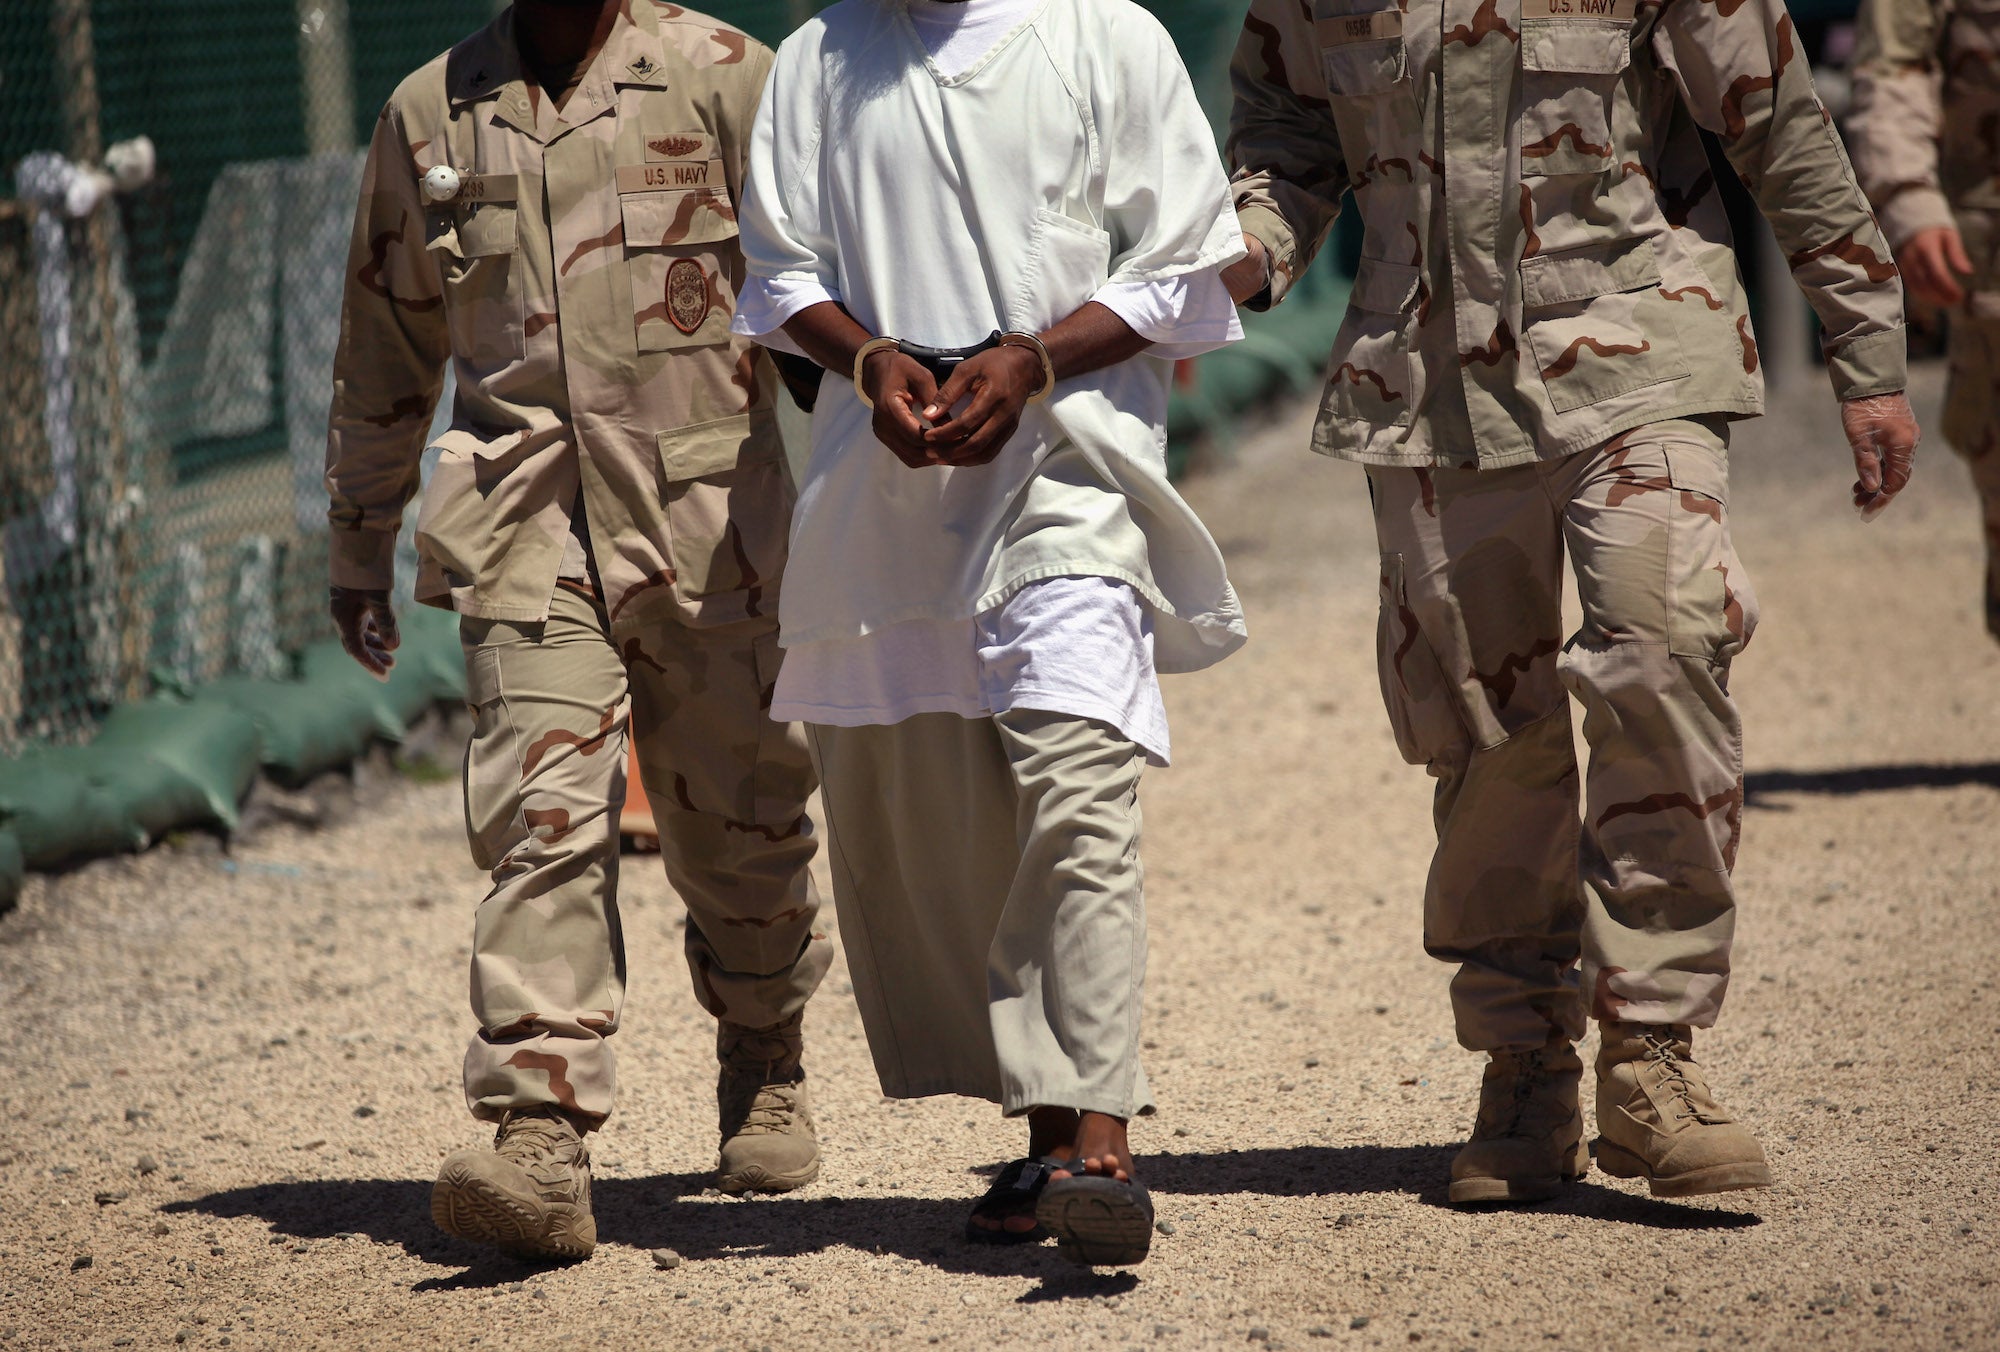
(1249, 274)
(1932, 261)
(899, 386)
(979, 408)
(367, 625)
(1883, 432)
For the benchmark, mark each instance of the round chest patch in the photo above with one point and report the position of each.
(687, 295)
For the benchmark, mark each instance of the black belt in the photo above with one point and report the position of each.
(942, 361)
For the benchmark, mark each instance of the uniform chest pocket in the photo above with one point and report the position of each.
(478, 252)
(1372, 374)
(686, 264)
(1597, 323)
(1362, 55)
(1570, 70)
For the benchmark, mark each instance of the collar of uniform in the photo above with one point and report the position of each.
(488, 66)
(631, 55)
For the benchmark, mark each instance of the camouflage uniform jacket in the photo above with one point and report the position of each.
(1545, 258)
(582, 283)
(1913, 59)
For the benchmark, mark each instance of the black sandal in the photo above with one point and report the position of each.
(1014, 1192)
(1097, 1221)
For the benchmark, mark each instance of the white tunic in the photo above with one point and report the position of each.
(940, 208)
(1081, 646)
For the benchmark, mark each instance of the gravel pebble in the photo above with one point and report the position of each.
(664, 1259)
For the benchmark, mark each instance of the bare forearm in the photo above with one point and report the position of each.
(829, 335)
(1091, 339)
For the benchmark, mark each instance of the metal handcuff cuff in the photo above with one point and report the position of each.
(942, 361)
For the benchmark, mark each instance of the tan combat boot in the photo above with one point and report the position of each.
(1528, 1139)
(768, 1144)
(1658, 1121)
(529, 1194)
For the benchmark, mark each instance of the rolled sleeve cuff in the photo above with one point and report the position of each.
(363, 559)
(1276, 236)
(1913, 212)
(1182, 316)
(1876, 363)
(766, 304)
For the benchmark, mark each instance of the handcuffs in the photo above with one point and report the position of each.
(942, 361)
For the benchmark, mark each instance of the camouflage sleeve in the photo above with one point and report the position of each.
(1283, 145)
(1744, 77)
(388, 367)
(1897, 115)
(738, 115)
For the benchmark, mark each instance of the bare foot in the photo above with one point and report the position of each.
(1102, 1146)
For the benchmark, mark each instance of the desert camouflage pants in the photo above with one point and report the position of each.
(544, 772)
(1972, 425)
(1477, 679)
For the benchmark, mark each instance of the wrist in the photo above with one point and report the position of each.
(874, 347)
(1043, 376)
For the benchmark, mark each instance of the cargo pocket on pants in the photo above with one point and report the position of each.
(491, 772)
(1414, 689)
(1713, 612)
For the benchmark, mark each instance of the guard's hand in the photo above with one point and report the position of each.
(1932, 261)
(1883, 432)
(993, 388)
(899, 386)
(367, 626)
(1250, 274)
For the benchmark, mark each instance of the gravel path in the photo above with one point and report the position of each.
(239, 1070)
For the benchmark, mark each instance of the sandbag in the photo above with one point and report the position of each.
(303, 729)
(172, 764)
(429, 669)
(392, 705)
(55, 813)
(432, 653)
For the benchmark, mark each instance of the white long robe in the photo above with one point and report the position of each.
(940, 209)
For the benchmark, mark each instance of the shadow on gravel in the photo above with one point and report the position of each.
(1299, 1170)
(1866, 779)
(1594, 1202)
(664, 1212)
(1419, 1171)
(672, 1211)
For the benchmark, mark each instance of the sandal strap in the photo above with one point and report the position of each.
(1017, 1183)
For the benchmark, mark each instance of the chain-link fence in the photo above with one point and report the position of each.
(176, 187)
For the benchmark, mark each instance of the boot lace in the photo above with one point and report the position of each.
(530, 1137)
(770, 1110)
(1529, 1070)
(1662, 1048)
